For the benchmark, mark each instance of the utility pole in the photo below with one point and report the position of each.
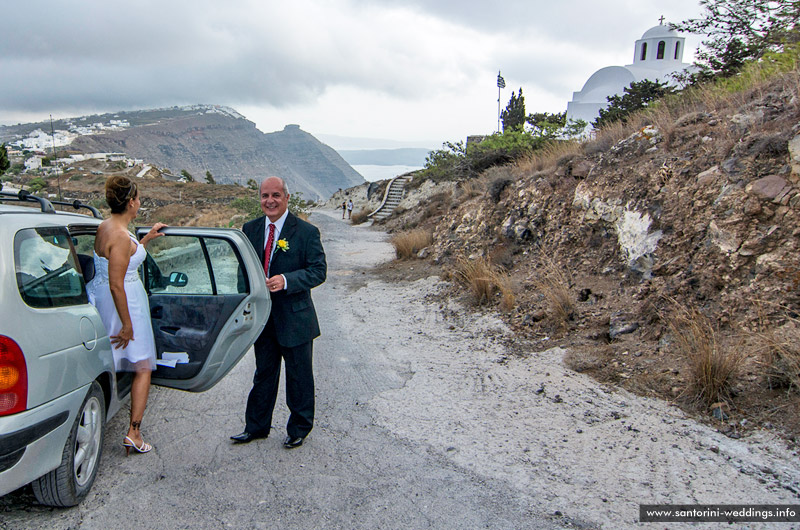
(55, 156)
(501, 83)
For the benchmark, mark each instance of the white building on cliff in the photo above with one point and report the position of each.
(656, 55)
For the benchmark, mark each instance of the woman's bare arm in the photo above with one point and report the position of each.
(119, 256)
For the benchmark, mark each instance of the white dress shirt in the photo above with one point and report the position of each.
(278, 227)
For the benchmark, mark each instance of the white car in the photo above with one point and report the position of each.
(58, 388)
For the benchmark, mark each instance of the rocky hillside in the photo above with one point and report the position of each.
(674, 242)
(202, 138)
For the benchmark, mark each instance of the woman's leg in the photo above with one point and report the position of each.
(139, 392)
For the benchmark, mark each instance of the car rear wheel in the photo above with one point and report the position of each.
(71, 481)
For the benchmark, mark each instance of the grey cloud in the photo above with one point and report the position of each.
(120, 55)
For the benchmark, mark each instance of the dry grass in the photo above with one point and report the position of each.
(553, 284)
(173, 215)
(723, 96)
(483, 279)
(548, 157)
(407, 244)
(610, 135)
(471, 188)
(476, 275)
(782, 356)
(712, 368)
(359, 217)
(778, 348)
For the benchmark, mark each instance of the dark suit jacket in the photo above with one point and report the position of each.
(304, 267)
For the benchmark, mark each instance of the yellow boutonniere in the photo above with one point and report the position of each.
(283, 245)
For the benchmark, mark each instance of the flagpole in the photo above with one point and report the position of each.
(501, 83)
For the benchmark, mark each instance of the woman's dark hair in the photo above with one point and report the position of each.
(120, 190)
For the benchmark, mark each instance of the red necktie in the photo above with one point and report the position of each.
(268, 249)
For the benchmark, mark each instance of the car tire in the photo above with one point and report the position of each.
(71, 481)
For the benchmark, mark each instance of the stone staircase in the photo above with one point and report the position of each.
(392, 197)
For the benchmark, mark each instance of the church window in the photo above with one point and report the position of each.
(644, 52)
(677, 48)
(660, 52)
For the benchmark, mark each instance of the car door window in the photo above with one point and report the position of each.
(208, 303)
(189, 265)
(46, 268)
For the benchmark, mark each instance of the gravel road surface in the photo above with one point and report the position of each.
(354, 471)
(429, 415)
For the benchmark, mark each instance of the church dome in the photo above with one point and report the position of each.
(659, 31)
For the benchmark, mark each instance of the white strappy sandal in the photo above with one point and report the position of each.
(129, 444)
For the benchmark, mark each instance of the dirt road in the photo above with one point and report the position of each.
(352, 472)
(428, 416)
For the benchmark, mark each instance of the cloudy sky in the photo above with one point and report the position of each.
(419, 72)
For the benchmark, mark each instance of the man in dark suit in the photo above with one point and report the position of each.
(295, 263)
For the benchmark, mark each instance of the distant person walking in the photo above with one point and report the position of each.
(349, 208)
(344, 209)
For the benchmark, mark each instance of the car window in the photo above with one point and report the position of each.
(193, 265)
(47, 273)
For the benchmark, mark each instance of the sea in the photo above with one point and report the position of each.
(372, 172)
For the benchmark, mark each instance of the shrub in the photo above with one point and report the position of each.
(249, 206)
(37, 184)
(483, 279)
(497, 187)
(712, 368)
(407, 244)
(447, 163)
(456, 161)
(781, 349)
(476, 275)
(507, 297)
(553, 285)
(359, 217)
(298, 206)
(98, 203)
(471, 188)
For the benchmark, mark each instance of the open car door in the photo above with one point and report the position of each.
(208, 303)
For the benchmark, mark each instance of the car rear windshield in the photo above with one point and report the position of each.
(47, 274)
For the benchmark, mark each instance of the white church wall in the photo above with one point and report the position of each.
(612, 80)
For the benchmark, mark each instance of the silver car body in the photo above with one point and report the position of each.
(67, 350)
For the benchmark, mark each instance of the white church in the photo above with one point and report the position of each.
(656, 55)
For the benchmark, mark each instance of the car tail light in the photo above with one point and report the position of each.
(13, 378)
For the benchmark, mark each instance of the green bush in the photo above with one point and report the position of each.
(249, 206)
(298, 206)
(499, 149)
(455, 161)
(447, 163)
(37, 184)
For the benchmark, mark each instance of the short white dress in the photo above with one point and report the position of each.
(140, 354)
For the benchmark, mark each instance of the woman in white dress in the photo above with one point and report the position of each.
(120, 298)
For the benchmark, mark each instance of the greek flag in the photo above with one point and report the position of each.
(501, 83)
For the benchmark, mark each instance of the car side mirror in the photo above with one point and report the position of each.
(178, 279)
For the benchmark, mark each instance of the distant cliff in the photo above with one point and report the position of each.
(200, 139)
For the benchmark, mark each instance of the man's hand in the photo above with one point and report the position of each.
(275, 283)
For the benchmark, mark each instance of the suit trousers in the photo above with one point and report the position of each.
(299, 385)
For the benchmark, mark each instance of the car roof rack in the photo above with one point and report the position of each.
(46, 205)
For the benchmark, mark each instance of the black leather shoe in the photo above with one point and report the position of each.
(246, 437)
(291, 443)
